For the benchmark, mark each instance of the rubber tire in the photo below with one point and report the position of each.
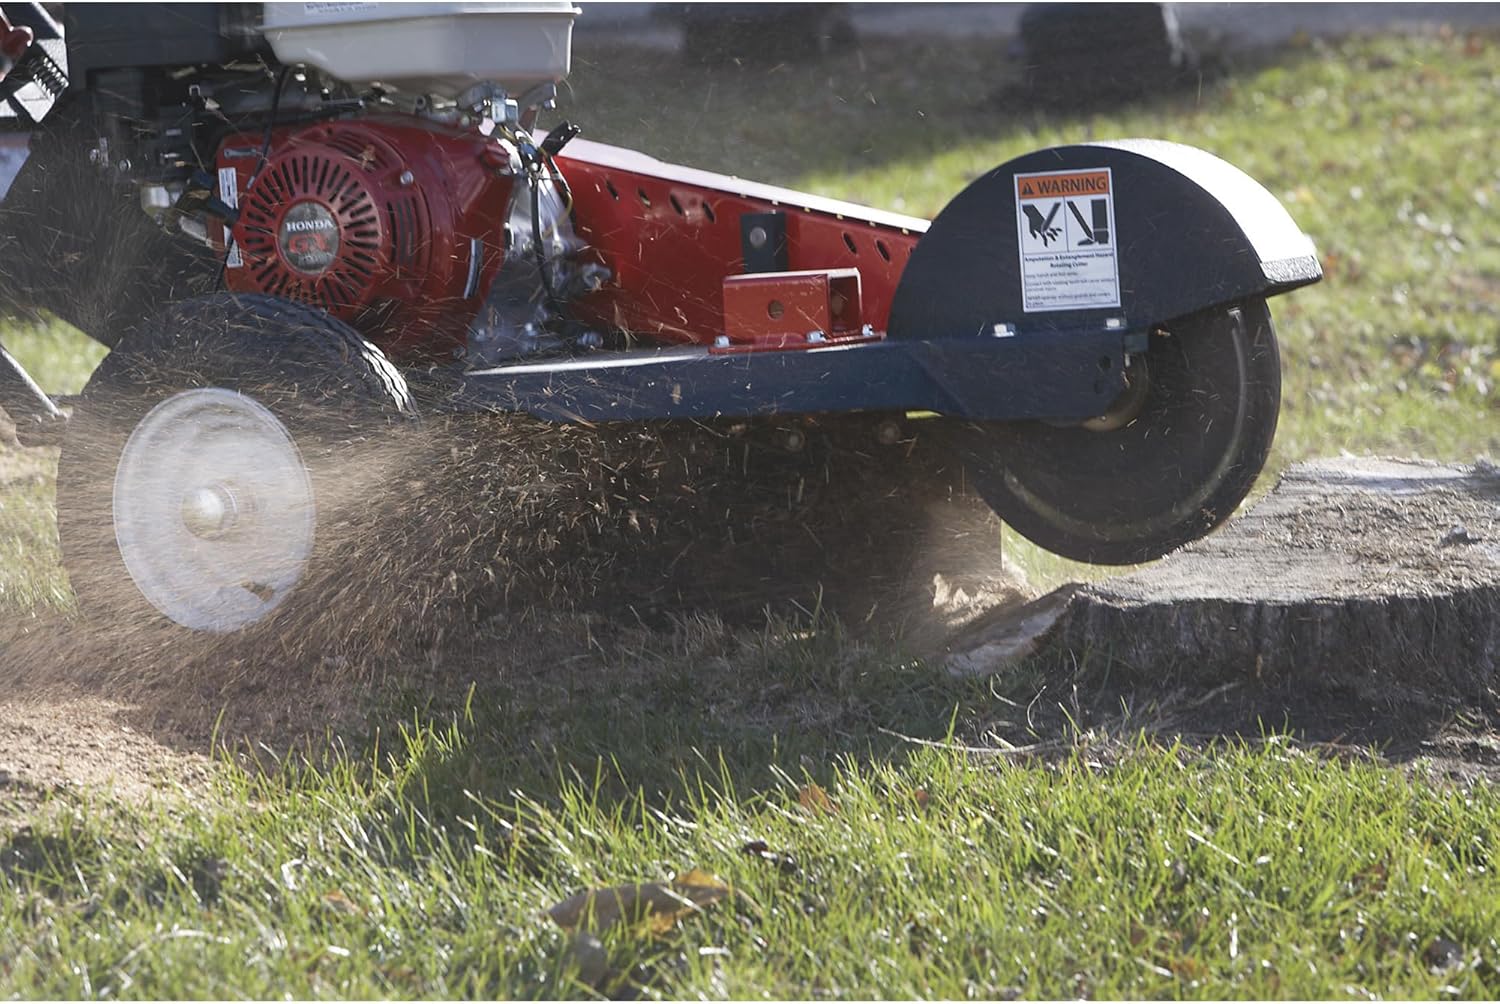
(331, 389)
(1171, 476)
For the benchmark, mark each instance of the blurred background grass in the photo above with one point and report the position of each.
(1378, 147)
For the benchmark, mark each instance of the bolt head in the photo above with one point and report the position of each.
(758, 237)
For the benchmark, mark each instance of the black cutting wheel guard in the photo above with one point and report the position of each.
(1168, 477)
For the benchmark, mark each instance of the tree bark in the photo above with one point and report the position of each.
(1350, 573)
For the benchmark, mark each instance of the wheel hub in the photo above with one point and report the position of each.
(213, 509)
(1131, 402)
(210, 511)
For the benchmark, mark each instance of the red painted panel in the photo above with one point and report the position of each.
(672, 234)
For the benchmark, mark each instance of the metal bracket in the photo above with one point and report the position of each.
(782, 308)
(763, 242)
(981, 379)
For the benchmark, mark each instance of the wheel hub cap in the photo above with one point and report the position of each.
(213, 510)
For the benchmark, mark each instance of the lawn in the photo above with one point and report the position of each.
(1155, 871)
(876, 836)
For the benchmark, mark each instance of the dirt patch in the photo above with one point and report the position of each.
(480, 550)
(81, 741)
(543, 576)
(89, 708)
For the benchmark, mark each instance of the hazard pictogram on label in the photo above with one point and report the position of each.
(1066, 226)
(229, 194)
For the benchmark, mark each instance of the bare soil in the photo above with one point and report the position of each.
(86, 741)
(135, 709)
(465, 559)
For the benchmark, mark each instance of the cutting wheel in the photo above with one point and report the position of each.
(1171, 461)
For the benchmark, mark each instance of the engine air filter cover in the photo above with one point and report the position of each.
(428, 48)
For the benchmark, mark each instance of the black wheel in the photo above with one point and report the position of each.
(1177, 454)
(209, 453)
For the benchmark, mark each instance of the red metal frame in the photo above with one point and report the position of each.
(671, 236)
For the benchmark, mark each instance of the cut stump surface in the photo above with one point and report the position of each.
(1349, 573)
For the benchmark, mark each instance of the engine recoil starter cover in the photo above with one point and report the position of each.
(393, 226)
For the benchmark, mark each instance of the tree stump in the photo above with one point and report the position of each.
(1349, 573)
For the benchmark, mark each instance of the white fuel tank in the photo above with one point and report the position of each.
(427, 48)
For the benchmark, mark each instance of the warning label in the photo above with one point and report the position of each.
(1066, 223)
(229, 194)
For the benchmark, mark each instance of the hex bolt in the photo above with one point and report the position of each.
(758, 237)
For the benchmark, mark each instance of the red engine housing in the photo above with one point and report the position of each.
(395, 225)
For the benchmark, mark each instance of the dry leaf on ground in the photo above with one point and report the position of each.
(813, 798)
(658, 904)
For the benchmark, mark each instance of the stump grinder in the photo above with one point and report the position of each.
(333, 205)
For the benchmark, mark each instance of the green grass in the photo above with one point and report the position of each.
(1261, 873)
(418, 865)
(57, 356)
(31, 576)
